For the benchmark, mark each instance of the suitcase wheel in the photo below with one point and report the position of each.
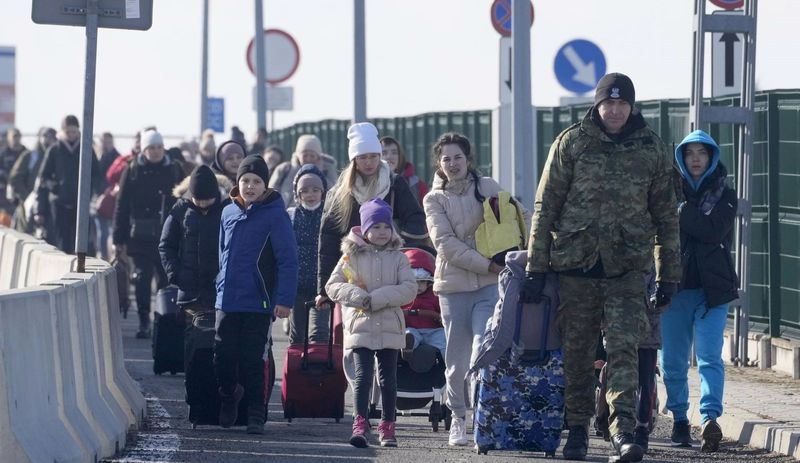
(173, 372)
(194, 425)
(483, 450)
(550, 454)
(338, 420)
(290, 420)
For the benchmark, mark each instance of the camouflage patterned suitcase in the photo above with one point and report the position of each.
(520, 402)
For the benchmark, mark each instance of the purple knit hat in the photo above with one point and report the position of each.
(373, 212)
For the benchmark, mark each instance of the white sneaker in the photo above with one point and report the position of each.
(458, 432)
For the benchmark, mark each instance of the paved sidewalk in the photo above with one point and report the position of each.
(761, 408)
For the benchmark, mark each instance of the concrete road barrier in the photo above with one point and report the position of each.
(65, 395)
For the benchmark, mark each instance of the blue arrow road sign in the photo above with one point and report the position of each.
(216, 115)
(579, 65)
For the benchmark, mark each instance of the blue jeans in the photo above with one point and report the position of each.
(430, 336)
(689, 319)
(464, 316)
(102, 226)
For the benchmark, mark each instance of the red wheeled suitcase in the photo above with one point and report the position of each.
(313, 380)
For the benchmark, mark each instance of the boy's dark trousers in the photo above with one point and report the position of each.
(239, 343)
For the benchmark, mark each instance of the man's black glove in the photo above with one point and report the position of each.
(532, 287)
(663, 295)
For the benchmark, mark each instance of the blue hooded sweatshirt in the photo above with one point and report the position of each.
(698, 136)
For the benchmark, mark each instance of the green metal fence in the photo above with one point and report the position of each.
(775, 245)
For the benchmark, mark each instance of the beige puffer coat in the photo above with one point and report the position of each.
(453, 214)
(383, 277)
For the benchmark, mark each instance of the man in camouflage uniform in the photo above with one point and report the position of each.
(604, 199)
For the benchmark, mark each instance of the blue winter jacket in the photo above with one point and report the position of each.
(257, 256)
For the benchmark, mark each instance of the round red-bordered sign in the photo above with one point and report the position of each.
(728, 4)
(283, 55)
(500, 14)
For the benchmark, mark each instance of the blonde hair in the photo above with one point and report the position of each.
(341, 202)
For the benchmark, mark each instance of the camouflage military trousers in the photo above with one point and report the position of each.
(585, 303)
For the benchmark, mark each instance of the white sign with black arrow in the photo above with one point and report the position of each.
(726, 61)
(504, 80)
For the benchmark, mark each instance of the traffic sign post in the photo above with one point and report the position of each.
(505, 80)
(278, 98)
(500, 13)
(579, 65)
(726, 60)
(118, 14)
(281, 53)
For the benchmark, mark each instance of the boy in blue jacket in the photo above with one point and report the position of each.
(257, 279)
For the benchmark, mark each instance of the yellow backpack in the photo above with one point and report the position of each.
(503, 228)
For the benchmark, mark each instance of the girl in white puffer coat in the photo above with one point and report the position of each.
(371, 281)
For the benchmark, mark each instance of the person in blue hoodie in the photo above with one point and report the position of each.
(257, 279)
(310, 186)
(699, 311)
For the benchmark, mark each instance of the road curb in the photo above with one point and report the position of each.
(744, 426)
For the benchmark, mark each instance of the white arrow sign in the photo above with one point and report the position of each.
(584, 72)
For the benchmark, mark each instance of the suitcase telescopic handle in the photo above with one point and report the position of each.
(545, 325)
(310, 305)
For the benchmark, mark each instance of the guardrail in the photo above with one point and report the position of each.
(64, 392)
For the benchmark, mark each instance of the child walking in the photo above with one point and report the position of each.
(423, 315)
(371, 281)
(309, 187)
(257, 278)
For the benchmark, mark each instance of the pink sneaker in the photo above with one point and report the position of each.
(386, 434)
(360, 430)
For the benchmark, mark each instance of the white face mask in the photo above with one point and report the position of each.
(312, 208)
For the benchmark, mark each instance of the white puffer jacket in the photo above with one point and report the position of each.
(453, 214)
(382, 276)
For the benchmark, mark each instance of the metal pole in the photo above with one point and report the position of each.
(524, 179)
(85, 166)
(698, 48)
(261, 72)
(204, 72)
(359, 60)
(745, 180)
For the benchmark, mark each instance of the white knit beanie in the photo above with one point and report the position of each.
(308, 143)
(151, 137)
(363, 140)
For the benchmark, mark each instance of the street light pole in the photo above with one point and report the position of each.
(261, 72)
(204, 72)
(359, 60)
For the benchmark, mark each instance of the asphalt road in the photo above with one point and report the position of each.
(167, 435)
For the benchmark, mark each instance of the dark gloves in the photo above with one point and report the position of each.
(663, 295)
(532, 287)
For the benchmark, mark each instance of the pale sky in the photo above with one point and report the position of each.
(422, 56)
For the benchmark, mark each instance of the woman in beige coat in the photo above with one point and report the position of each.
(465, 280)
(371, 281)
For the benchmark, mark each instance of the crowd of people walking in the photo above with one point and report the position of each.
(252, 237)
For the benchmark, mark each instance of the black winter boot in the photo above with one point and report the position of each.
(144, 326)
(255, 419)
(641, 437)
(681, 434)
(627, 449)
(711, 436)
(229, 406)
(577, 443)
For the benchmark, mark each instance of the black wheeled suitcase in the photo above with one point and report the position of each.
(168, 327)
(201, 384)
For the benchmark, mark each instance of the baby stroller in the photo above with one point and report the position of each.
(421, 381)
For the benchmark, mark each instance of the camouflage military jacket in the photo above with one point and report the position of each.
(606, 199)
